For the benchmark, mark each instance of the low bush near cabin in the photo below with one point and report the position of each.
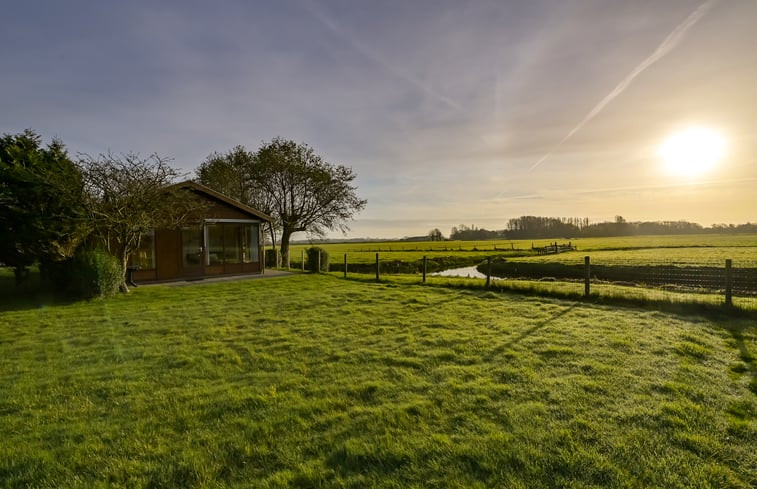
(87, 275)
(313, 259)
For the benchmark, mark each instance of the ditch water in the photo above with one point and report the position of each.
(469, 272)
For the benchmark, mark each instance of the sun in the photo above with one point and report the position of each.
(692, 151)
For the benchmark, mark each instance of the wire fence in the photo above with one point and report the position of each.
(728, 284)
(725, 285)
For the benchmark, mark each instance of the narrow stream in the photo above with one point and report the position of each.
(469, 272)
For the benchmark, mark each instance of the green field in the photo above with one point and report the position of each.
(743, 257)
(314, 381)
(411, 251)
(685, 250)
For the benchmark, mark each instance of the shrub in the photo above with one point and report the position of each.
(88, 274)
(312, 257)
(272, 258)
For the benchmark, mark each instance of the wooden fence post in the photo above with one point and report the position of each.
(587, 277)
(377, 268)
(728, 282)
(488, 271)
(303, 259)
(345, 265)
(318, 263)
(424, 269)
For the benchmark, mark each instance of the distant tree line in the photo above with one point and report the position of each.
(472, 233)
(435, 235)
(532, 227)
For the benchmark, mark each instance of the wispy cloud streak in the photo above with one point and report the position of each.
(687, 185)
(375, 56)
(664, 48)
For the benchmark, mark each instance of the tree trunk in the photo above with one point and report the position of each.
(273, 235)
(285, 235)
(21, 273)
(124, 258)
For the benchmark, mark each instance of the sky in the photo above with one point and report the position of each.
(449, 112)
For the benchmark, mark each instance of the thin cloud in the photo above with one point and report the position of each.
(637, 188)
(375, 56)
(664, 48)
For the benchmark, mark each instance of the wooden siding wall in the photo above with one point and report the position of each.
(219, 210)
(168, 253)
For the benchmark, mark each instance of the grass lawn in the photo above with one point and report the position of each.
(314, 381)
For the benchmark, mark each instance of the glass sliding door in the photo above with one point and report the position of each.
(231, 246)
(192, 251)
(232, 243)
(214, 233)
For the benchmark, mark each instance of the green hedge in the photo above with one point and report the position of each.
(88, 274)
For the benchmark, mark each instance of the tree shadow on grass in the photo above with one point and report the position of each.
(32, 294)
(750, 366)
(533, 329)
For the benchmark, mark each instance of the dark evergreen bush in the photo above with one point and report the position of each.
(312, 257)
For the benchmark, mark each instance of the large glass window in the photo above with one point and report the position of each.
(252, 254)
(232, 243)
(215, 246)
(144, 256)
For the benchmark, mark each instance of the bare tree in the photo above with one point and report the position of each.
(307, 193)
(289, 182)
(126, 196)
(231, 174)
(435, 235)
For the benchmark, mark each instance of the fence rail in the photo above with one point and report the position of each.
(726, 281)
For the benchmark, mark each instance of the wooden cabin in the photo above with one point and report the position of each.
(226, 240)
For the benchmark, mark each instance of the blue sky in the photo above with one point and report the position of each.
(450, 112)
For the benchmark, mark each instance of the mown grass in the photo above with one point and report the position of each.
(313, 381)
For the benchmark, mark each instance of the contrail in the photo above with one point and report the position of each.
(374, 56)
(667, 45)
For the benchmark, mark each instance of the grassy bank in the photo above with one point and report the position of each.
(313, 381)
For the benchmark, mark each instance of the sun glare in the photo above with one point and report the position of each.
(692, 151)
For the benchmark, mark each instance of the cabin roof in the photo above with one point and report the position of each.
(202, 189)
